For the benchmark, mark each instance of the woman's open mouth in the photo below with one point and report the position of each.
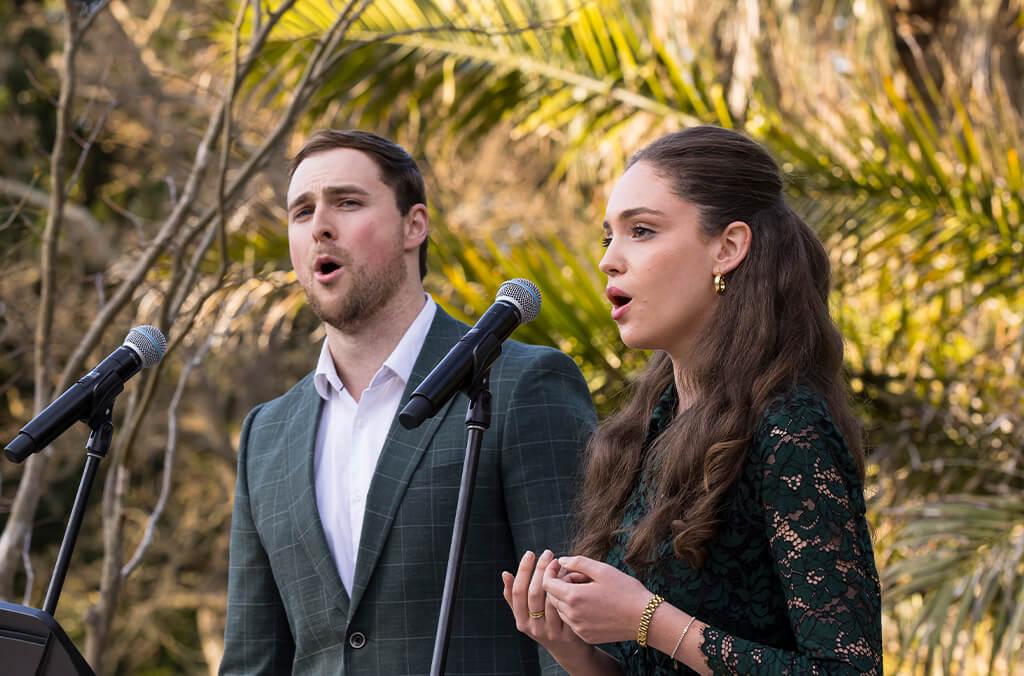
(620, 302)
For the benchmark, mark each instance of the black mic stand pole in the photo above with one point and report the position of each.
(96, 447)
(478, 419)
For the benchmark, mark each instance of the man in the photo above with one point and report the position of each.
(343, 519)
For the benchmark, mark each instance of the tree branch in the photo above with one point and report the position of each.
(30, 487)
(169, 454)
(41, 199)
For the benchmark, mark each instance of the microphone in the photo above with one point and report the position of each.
(143, 347)
(517, 302)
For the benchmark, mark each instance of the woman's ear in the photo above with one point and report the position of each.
(733, 245)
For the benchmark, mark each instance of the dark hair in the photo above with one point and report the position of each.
(770, 331)
(398, 170)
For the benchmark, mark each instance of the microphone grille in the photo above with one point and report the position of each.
(149, 342)
(524, 294)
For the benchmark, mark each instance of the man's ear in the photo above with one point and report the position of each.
(733, 245)
(417, 226)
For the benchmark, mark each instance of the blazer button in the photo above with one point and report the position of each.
(357, 639)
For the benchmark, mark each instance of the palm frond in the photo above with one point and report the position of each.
(967, 573)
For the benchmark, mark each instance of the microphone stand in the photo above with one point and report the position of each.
(31, 640)
(478, 419)
(96, 447)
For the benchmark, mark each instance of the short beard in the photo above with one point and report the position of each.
(371, 290)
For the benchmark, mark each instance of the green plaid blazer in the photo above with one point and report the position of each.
(288, 611)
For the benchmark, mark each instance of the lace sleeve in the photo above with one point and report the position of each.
(814, 515)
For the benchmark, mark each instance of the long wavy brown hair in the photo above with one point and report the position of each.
(770, 331)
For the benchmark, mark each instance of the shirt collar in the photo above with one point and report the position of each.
(399, 363)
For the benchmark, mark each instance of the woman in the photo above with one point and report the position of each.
(721, 526)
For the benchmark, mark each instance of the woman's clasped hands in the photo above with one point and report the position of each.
(570, 603)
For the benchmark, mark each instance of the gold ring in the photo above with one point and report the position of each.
(536, 615)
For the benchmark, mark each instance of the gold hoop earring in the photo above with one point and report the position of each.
(719, 284)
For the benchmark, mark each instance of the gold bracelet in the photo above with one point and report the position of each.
(675, 664)
(645, 619)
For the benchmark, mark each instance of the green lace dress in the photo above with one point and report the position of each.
(789, 585)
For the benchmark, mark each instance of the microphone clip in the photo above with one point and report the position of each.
(101, 422)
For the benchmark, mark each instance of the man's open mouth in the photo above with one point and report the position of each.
(325, 267)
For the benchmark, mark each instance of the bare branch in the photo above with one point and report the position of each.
(257, 15)
(16, 212)
(172, 189)
(87, 146)
(169, 454)
(262, 34)
(154, 250)
(30, 195)
(30, 573)
(139, 33)
(172, 224)
(156, 17)
(99, 617)
(101, 293)
(30, 487)
(173, 307)
(54, 218)
(135, 219)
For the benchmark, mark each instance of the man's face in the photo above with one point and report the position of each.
(347, 239)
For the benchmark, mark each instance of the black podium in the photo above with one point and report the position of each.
(33, 644)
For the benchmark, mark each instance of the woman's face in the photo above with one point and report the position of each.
(659, 265)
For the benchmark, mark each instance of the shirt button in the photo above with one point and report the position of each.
(357, 639)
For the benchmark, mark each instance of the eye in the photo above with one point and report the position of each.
(640, 231)
(606, 241)
(301, 212)
(348, 203)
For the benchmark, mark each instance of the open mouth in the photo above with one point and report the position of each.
(326, 268)
(618, 297)
(620, 301)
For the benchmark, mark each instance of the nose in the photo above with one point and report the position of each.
(611, 263)
(323, 228)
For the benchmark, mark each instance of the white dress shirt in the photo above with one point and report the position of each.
(351, 436)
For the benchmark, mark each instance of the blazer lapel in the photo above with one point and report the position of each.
(402, 452)
(300, 435)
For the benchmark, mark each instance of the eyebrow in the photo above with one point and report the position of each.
(329, 192)
(630, 213)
